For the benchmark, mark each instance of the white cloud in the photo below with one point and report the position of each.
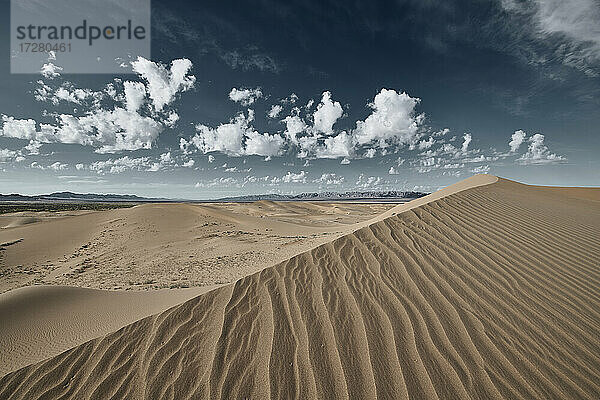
(119, 165)
(275, 111)
(294, 126)
(7, 155)
(105, 129)
(18, 128)
(237, 138)
(370, 153)
(263, 144)
(516, 140)
(335, 146)
(50, 71)
(453, 166)
(211, 158)
(368, 182)
(326, 114)
(245, 96)
(466, 141)
(291, 177)
(166, 158)
(108, 130)
(345, 161)
(58, 166)
(134, 95)
(171, 119)
(188, 164)
(330, 179)
(393, 171)
(538, 153)
(226, 138)
(162, 84)
(79, 167)
(426, 144)
(217, 182)
(393, 120)
(482, 169)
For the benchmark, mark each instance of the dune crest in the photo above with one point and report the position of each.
(488, 292)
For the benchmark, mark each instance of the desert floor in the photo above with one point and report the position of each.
(156, 246)
(486, 289)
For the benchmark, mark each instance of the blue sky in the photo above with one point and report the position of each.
(266, 97)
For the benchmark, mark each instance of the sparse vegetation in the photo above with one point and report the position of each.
(6, 208)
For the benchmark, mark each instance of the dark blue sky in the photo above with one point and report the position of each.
(486, 68)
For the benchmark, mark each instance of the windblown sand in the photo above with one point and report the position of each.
(156, 246)
(489, 289)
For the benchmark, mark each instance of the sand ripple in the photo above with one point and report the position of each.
(493, 292)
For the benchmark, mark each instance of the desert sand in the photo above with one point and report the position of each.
(154, 246)
(39, 322)
(487, 289)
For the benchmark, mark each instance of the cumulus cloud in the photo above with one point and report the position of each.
(538, 152)
(7, 155)
(188, 164)
(217, 182)
(237, 138)
(126, 163)
(516, 140)
(110, 130)
(163, 84)
(330, 179)
(275, 110)
(482, 169)
(50, 70)
(294, 127)
(58, 166)
(393, 171)
(226, 138)
(426, 144)
(368, 182)
(134, 95)
(466, 141)
(18, 128)
(119, 165)
(326, 114)
(245, 96)
(263, 144)
(291, 177)
(393, 120)
(335, 146)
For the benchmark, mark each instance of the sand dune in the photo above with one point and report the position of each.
(490, 289)
(39, 322)
(155, 246)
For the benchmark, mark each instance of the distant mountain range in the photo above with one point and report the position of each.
(376, 195)
(92, 197)
(78, 197)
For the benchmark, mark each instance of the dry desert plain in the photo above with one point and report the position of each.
(487, 289)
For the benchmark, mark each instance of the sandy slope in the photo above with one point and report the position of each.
(165, 245)
(39, 322)
(491, 292)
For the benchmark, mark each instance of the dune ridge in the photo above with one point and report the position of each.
(488, 292)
